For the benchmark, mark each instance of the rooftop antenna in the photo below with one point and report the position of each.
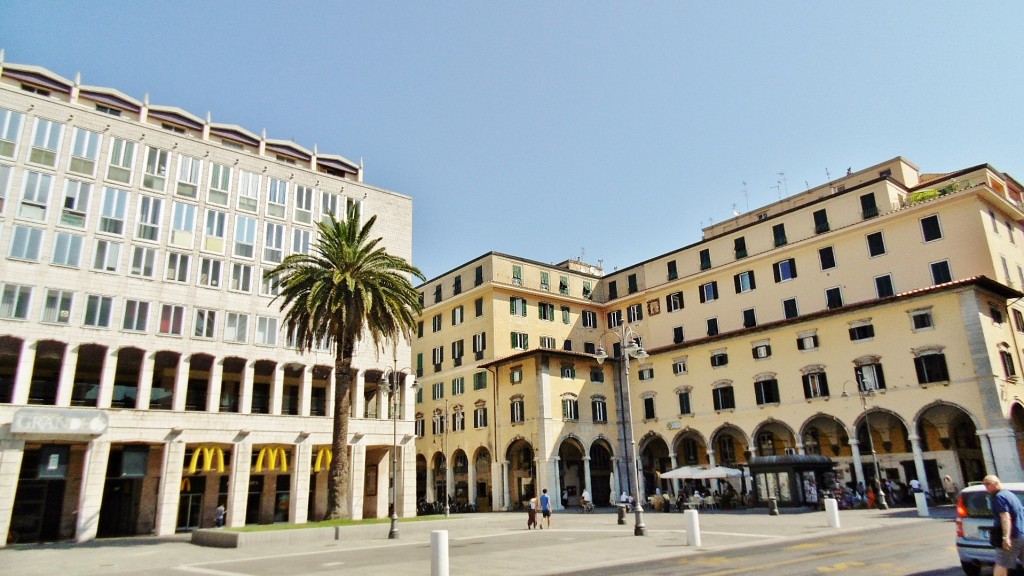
(827, 175)
(583, 253)
(785, 185)
(746, 197)
(778, 190)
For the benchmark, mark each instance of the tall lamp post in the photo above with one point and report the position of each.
(629, 344)
(863, 394)
(392, 381)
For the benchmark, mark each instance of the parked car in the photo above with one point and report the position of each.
(973, 522)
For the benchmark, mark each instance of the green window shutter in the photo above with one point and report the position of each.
(526, 341)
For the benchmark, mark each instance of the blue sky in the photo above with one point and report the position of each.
(552, 130)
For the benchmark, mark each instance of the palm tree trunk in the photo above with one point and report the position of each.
(338, 478)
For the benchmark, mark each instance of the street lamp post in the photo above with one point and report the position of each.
(392, 381)
(863, 394)
(629, 344)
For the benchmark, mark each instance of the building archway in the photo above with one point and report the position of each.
(570, 469)
(521, 472)
(601, 472)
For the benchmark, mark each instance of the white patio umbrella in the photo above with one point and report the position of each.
(717, 472)
(682, 473)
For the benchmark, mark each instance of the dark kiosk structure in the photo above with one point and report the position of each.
(792, 479)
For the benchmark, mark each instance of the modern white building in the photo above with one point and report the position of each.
(144, 374)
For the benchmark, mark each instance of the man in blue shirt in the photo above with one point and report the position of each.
(1009, 513)
(545, 507)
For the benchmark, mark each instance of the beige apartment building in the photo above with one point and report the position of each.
(145, 376)
(881, 310)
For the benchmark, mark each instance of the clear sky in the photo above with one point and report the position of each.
(607, 130)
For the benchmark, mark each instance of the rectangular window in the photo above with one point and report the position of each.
(749, 318)
(883, 286)
(177, 267)
(517, 306)
(329, 206)
(458, 351)
(1009, 370)
(779, 235)
(784, 270)
(723, 398)
(273, 242)
(548, 342)
(479, 344)
(10, 130)
(596, 374)
(220, 184)
(236, 328)
(46, 137)
(241, 277)
(515, 375)
(112, 211)
(478, 276)
(1018, 320)
(480, 417)
(183, 224)
(614, 318)
(122, 157)
(277, 197)
(148, 222)
(205, 323)
(458, 314)
(214, 231)
(266, 331)
(820, 221)
(67, 250)
(172, 318)
(930, 229)
(941, 272)
(815, 385)
(677, 335)
(301, 241)
(155, 173)
(57, 308)
(435, 323)
(517, 275)
(35, 195)
(705, 259)
(674, 301)
(712, 326)
(673, 273)
(827, 258)
(209, 273)
(649, 412)
(766, 392)
(303, 205)
(862, 332)
(719, 359)
(744, 281)
(143, 259)
(457, 286)
(5, 183)
(566, 315)
(97, 311)
(679, 366)
(876, 244)
(25, 243)
(136, 315)
(76, 202)
(870, 377)
(807, 342)
(190, 170)
(588, 291)
(245, 236)
(684, 403)
(14, 302)
(931, 368)
(589, 318)
(520, 341)
(437, 294)
(613, 290)
(107, 256)
(868, 207)
(248, 191)
(631, 284)
(789, 308)
(709, 292)
(761, 351)
(546, 311)
(545, 283)
(634, 313)
(479, 380)
(458, 386)
(85, 151)
(739, 246)
(833, 298)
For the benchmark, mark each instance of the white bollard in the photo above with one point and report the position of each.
(439, 553)
(922, 504)
(832, 512)
(692, 528)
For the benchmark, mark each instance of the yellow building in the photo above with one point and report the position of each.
(886, 299)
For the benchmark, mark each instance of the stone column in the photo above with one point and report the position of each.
(357, 481)
(181, 382)
(245, 394)
(11, 454)
(915, 445)
(858, 466)
(471, 480)
(238, 483)
(675, 482)
(94, 476)
(23, 377)
(587, 484)
(145, 383)
(506, 495)
(711, 459)
(358, 400)
(306, 391)
(170, 487)
(1001, 454)
(68, 367)
(431, 484)
(213, 385)
(302, 464)
(277, 389)
(555, 490)
(616, 482)
(109, 371)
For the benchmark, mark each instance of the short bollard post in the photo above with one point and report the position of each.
(692, 528)
(622, 513)
(439, 553)
(922, 504)
(773, 507)
(832, 512)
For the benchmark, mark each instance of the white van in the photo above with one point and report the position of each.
(973, 521)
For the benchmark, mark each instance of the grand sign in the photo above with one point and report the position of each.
(57, 421)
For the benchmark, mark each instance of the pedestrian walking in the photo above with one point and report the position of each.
(565, 499)
(531, 514)
(1008, 513)
(219, 514)
(949, 487)
(545, 507)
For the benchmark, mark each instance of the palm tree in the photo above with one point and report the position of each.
(349, 288)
